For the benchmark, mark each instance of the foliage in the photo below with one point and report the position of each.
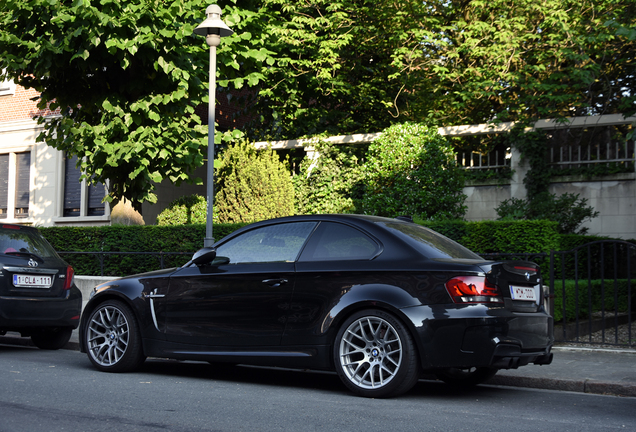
(500, 175)
(595, 170)
(523, 60)
(595, 258)
(455, 230)
(569, 210)
(74, 242)
(596, 296)
(177, 243)
(252, 185)
(332, 182)
(126, 78)
(336, 71)
(185, 210)
(411, 170)
(533, 237)
(351, 66)
(532, 145)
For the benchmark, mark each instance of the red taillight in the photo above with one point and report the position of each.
(532, 269)
(473, 289)
(70, 274)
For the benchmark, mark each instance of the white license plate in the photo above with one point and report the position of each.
(523, 293)
(32, 281)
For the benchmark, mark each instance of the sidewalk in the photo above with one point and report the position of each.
(584, 370)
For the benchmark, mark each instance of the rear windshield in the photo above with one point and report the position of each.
(16, 240)
(431, 244)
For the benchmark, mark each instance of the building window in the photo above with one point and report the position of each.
(15, 179)
(80, 198)
(7, 88)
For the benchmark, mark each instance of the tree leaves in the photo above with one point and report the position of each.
(126, 76)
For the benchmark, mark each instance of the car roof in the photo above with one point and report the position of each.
(367, 222)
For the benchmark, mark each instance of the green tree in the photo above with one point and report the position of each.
(411, 170)
(529, 59)
(126, 77)
(335, 72)
(252, 185)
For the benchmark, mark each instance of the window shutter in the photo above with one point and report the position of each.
(72, 187)
(4, 185)
(23, 165)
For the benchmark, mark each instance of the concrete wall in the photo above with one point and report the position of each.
(483, 199)
(614, 198)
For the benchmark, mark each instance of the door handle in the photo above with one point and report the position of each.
(275, 282)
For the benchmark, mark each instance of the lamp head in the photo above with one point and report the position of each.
(213, 25)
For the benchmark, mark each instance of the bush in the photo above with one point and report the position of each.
(601, 295)
(411, 170)
(252, 185)
(511, 237)
(569, 210)
(601, 257)
(332, 183)
(185, 239)
(186, 210)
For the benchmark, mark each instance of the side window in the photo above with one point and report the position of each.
(272, 243)
(335, 241)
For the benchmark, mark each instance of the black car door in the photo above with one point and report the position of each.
(244, 302)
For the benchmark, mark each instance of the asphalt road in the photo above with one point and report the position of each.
(60, 391)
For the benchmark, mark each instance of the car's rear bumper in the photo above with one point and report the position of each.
(18, 313)
(478, 336)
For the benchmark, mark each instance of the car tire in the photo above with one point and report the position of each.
(375, 356)
(466, 377)
(112, 338)
(52, 339)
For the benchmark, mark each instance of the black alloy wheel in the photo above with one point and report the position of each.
(112, 338)
(375, 355)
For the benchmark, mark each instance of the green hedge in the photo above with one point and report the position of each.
(601, 295)
(481, 237)
(503, 237)
(184, 238)
(599, 256)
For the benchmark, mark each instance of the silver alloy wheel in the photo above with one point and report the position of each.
(108, 335)
(370, 352)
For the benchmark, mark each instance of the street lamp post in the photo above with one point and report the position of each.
(213, 28)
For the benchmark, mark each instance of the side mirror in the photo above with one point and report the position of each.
(204, 256)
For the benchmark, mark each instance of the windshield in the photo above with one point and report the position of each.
(17, 240)
(431, 244)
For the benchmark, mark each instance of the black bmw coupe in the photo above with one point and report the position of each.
(377, 300)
